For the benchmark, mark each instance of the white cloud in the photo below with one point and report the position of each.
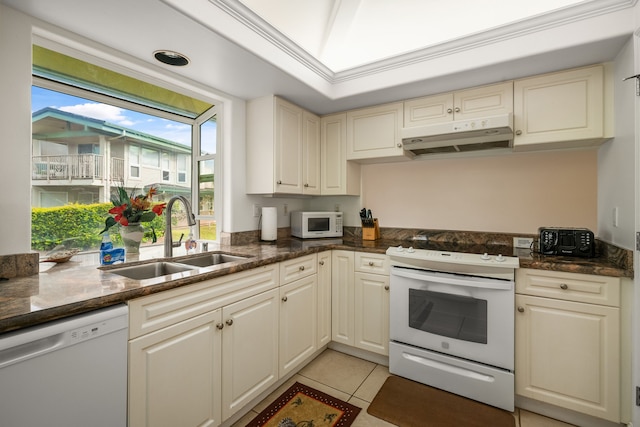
(98, 111)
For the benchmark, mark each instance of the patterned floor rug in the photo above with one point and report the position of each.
(302, 406)
(407, 403)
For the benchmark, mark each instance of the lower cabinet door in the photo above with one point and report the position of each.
(298, 322)
(174, 375)
(249, 349)
(372, 312)
(568, 354)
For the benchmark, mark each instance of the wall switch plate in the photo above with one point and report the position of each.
(614, 218)
(522, 242)
(285, 209)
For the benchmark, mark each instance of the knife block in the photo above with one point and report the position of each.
(371, 233)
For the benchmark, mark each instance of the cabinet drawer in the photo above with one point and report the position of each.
(371, 263)
(298, 268)
(569, 286)
(153, 312)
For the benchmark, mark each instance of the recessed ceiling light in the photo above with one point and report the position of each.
(171, 58)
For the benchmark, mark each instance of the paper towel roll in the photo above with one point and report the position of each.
(269, 224)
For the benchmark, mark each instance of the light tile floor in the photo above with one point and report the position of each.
(357, 381)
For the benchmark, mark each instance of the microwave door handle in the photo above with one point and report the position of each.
(475, 283)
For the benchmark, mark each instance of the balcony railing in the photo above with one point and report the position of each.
(75, 166)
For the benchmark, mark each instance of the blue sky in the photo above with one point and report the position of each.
(167, 129)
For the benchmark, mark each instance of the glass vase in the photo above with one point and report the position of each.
(131, 237)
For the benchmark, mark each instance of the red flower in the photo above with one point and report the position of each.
(158, 209)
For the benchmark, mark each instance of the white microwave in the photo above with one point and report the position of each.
(310, 225)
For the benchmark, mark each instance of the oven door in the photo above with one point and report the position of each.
(463, 316)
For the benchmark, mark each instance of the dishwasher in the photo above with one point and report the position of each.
(66, 373)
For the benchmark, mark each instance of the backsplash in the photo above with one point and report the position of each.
(19, 265)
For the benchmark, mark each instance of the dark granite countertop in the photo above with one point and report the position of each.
(78, 286)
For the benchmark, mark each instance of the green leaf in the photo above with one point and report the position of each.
(147, 216)
(108, 223)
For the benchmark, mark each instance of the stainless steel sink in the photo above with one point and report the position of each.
(207, 260)
(151, 270)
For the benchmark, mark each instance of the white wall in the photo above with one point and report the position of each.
(15, 141)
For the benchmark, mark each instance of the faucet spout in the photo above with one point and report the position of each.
(168, 238)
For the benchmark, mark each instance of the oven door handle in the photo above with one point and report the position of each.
(478, 282)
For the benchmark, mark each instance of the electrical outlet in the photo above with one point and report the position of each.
(286, 209)
(614, 215)
(637, 396)
(336, 208)
(522, 242)
(256, 211)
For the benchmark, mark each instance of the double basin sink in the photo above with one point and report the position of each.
(164, 268)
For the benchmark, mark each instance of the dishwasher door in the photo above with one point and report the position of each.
(66, 373)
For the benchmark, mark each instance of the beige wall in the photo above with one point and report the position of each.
(511, 194)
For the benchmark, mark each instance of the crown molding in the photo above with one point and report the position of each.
(546, 21)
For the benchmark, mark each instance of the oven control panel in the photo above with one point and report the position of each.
(406, 254)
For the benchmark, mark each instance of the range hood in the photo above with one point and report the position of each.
(462, 136)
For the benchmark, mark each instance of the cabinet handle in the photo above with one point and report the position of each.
(564, 286)
(521, 309)
(370, 263)
(518, 132)
(306, 185)
(284, 299)
(457, 109)
(220, 325)
(301, 268)
(229, 322)
(386, 288)
(278, 182)
(321, 263)
(449, 110)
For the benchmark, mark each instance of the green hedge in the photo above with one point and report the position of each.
(78, 226)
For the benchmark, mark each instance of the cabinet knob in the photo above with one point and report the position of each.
(399, 144)
(370, 263)
(564, 286)
(457, 109)
(518, 132)
(386, 288)
(278, 182)
(301, 268)
(284, 299)
(521, 309)
(220, 325)
(306, 185)
(449, 110)
(229, 322)
(321, 263)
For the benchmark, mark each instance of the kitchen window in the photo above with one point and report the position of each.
(101, 135)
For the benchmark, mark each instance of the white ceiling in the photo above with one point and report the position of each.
(327, 56)
(344, 34)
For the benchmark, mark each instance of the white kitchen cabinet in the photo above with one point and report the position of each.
(283, 148)
(175, 375)
(562, 110)
(471, 103)
(342, 297)
(249, 349)
(373, 133)
(298, 322)
(339, 176)
(360, 300)
(324, 298)
(568, 341)
(186, 361)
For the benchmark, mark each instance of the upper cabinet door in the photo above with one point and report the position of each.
(288, 147)
(374, 133)
(483, 101)
(339, 176)
(555, 109)
(310, 154)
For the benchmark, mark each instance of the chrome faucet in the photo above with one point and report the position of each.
(168, 238)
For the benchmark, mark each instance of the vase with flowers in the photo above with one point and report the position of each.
(129, 210)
